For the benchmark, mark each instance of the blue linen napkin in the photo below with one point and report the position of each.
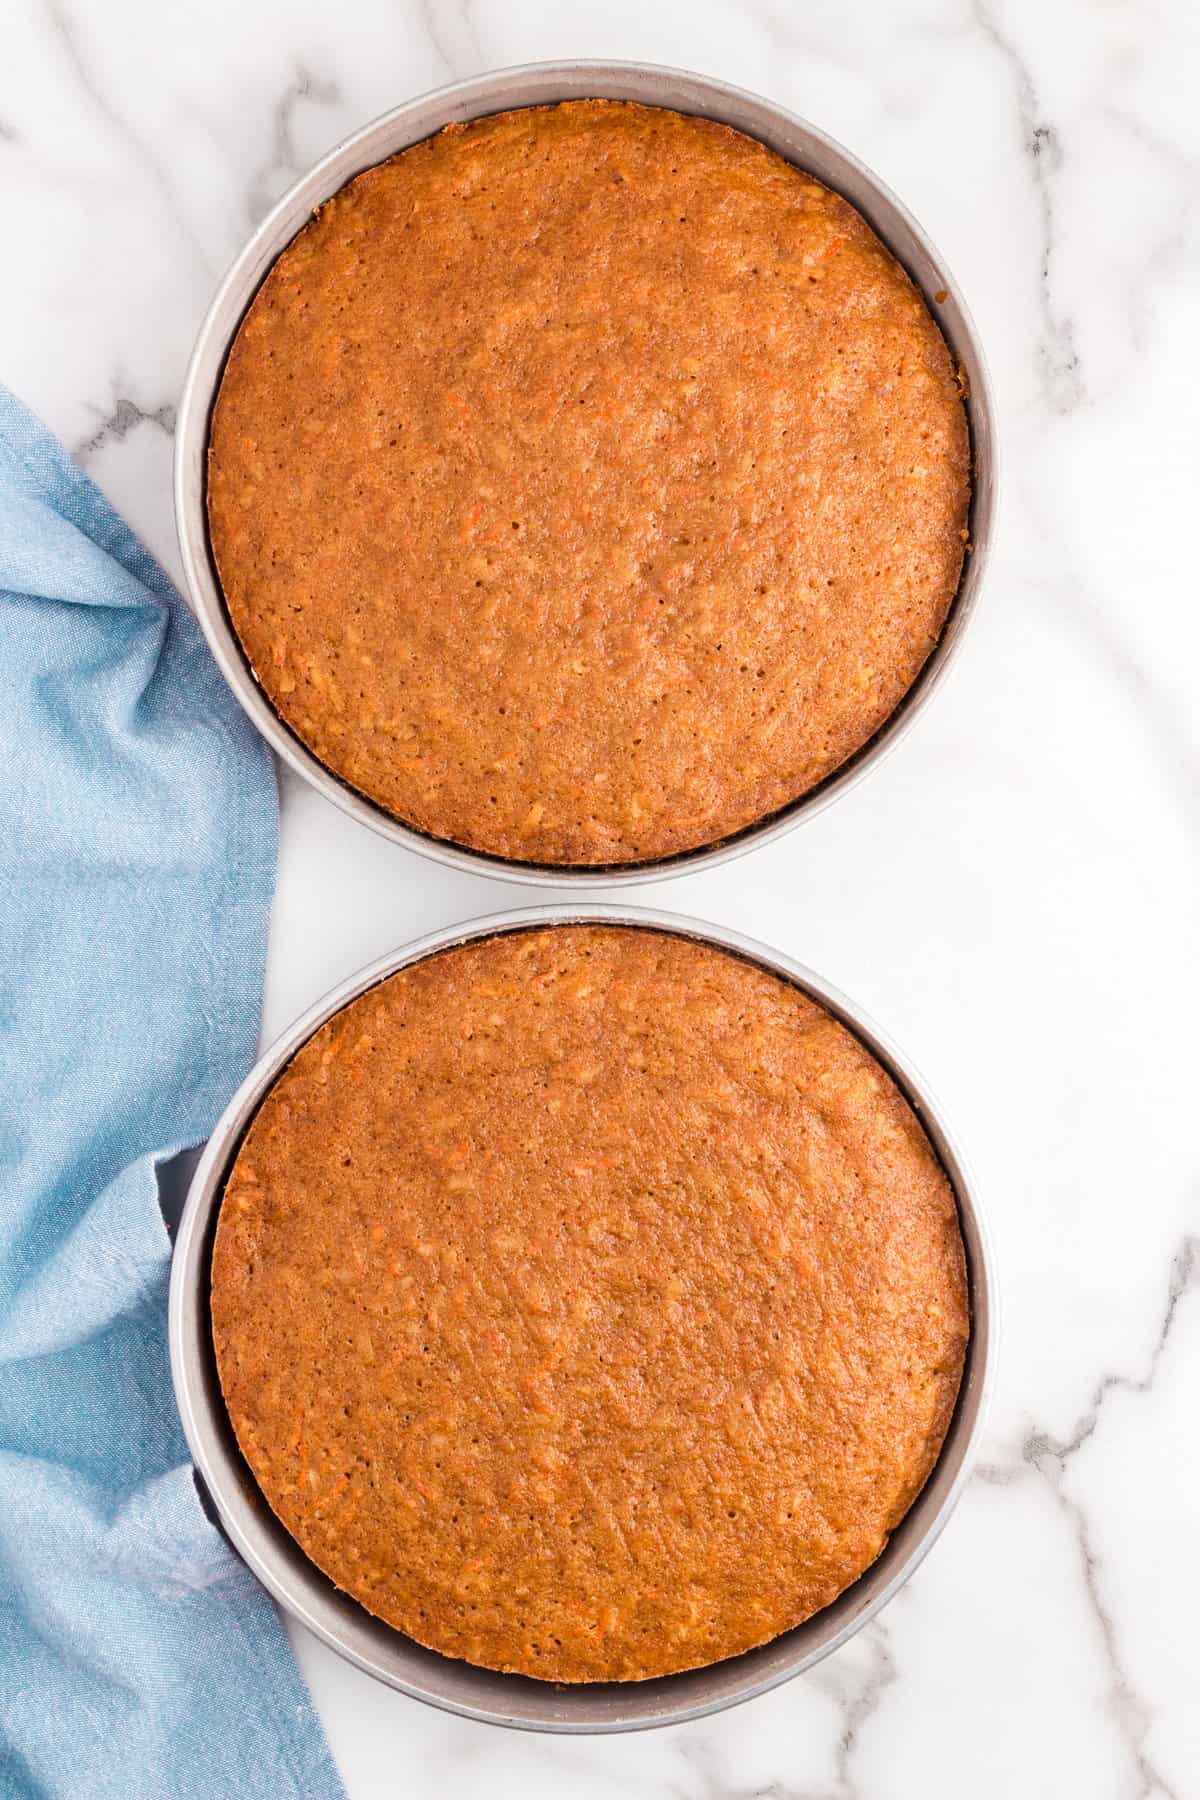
(138, 1657)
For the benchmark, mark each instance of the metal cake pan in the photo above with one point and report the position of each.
(514, 1700)
(541, 84)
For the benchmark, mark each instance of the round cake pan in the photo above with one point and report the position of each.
(514, 1700)
(533, 85)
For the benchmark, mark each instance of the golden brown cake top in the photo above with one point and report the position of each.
(588, 1303)
(587, 483)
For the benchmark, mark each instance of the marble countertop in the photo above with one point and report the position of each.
(1014, 894)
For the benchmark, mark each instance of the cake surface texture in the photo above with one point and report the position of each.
(587, 483)
(588, 1303)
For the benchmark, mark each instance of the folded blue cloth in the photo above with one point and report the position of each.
(138, 1658)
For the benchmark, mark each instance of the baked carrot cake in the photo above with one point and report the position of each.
(587, 483)
(588, 1303)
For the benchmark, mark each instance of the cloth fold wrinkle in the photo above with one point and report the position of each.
(137, 863)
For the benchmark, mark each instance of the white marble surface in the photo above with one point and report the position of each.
(1014, 895)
